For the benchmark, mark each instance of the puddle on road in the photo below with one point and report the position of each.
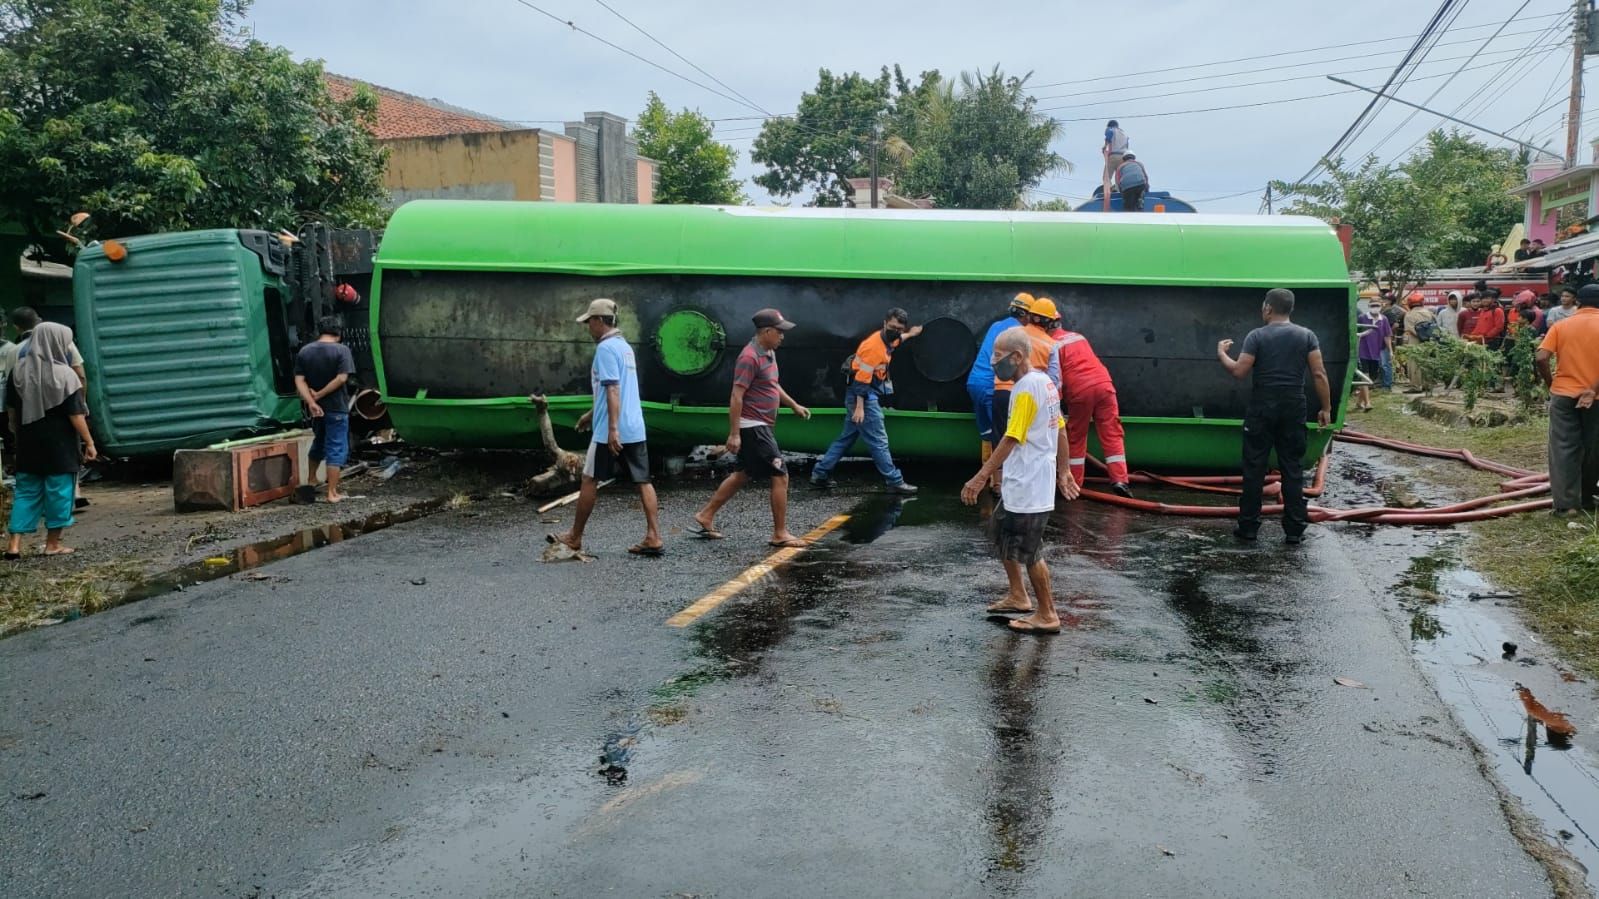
(1499, 697)
(263, 552)
(1504, 699)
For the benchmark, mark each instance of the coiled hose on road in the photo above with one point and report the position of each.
(1521, 485)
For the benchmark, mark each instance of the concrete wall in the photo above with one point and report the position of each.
(496, 165)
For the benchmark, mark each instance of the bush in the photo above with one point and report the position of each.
(1470, 366)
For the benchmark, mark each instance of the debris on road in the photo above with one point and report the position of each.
(1349, 682)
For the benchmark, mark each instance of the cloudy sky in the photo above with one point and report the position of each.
(503, 58)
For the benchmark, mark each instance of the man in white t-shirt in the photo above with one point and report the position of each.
(1034, 462)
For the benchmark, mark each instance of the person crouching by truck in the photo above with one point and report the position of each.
(1133, 182)
(46, 412)
(863, 408)
(1089, 397)
(321, 369)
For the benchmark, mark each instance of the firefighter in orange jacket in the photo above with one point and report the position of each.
(1089, 397)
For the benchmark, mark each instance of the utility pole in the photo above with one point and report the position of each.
(1579, 46)
(877, 133)
(1268, 198)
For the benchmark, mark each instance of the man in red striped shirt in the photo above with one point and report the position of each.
(1089, 397)
(752, 413)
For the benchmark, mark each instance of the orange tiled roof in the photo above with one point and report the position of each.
(403, 115)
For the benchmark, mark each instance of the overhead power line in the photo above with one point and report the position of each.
(649, 62)
(1198, 65)
(690, 63)
(1351, 132)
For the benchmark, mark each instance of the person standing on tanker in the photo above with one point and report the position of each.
(1133, 181)
(1114, 151)
(1034, 464)
(980, 381)
(1089, 396)
(1278, 355)
(321, 369)
(45, 410)
(618, 449)
(863, 410)
(1573, 416)
(752, 413)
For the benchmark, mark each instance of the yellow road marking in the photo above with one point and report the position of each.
(750, 575)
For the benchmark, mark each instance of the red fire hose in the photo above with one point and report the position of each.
(1522, 485)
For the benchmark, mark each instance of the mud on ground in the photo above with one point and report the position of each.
(130, 533)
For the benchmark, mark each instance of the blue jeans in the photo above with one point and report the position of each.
(982, 408)
(1387, 369)
(331, 442)
(47, 496)
(871, 430)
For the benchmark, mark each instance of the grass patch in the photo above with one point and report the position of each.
(1552, 567)
(31, 597)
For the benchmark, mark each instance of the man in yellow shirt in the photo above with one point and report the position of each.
(1573, 343)
(1034, 462)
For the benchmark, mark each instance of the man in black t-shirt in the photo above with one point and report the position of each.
(320, 372)
(1278, 355)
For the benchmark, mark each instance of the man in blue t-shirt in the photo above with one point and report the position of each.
(618, 450)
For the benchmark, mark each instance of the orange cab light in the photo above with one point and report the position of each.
(114, 250)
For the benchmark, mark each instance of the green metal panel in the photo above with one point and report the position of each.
(1192, 253)
(175, 342)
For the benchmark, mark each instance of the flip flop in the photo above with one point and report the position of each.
(1021, 626)
(640, 549)
(705, 533)
(796, 543)
(63, 551)
(997, 610)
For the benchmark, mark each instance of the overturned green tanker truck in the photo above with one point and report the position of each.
(473, 306)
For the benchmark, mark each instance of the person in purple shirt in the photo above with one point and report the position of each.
(1376, 337)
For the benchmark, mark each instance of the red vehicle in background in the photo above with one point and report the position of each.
(1440, 284)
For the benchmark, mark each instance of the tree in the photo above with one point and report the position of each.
(975, 143)
(694, 167)
(1053, 204)
(827, 141)
(1471, 182)
(156, 115)
(1395, 219)
(981, 147)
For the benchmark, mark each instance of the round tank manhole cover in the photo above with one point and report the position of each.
(944, 350)
(688, 342)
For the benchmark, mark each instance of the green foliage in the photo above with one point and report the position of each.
(985, 149)
(156, 115)
(1470, 182)
(1393, 219)
(1053, 204)
(694, 167)
(1522, 374)
(975, 143)
(1470, 366)
(1441, 208)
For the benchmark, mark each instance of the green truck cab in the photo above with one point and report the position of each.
(189, 338)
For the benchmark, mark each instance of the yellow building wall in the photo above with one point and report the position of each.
(495, 165)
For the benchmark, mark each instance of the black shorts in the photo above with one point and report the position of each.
(1018, 536)
(758, 455)
(1372, 368)
(631, 466)
(1000, 413)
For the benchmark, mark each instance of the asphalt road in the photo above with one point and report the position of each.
(850, 726)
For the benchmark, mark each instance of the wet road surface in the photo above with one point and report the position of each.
(850, 725)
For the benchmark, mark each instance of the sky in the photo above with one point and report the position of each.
(503, 58)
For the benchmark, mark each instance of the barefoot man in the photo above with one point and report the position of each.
(618, 449)
(751, 414)
(1034, 462)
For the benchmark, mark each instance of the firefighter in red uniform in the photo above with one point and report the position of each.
(1089, 397)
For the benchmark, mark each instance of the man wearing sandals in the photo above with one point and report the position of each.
(618, 450)
(1034, 462)
(752, 413)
